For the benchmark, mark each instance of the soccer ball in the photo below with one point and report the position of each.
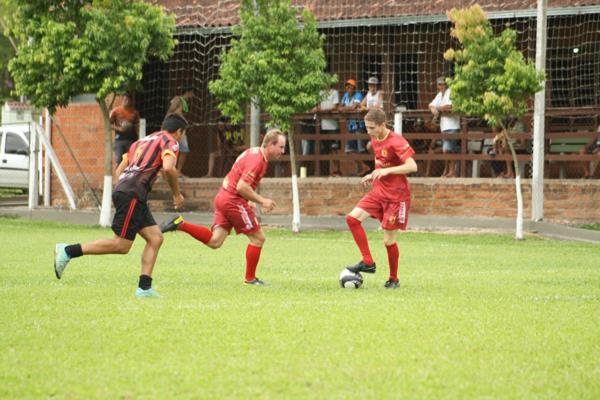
(350, 280)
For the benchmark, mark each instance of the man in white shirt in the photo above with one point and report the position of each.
(441, 108)
(329, 103)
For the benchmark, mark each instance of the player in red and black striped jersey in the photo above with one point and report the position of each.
(389, 200)
(232, 203)
(137, 172)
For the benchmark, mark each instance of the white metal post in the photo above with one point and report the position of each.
(47, 176)
(537, 178)
(142, 128)
(398, 119)
(33, 169)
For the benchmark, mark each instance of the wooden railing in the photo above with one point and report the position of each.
(469, 133)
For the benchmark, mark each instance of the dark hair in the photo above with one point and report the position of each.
(188, 88)
(172, 122)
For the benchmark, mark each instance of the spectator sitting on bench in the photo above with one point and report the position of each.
(592, 147)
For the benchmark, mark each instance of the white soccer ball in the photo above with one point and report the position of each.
(350, 280)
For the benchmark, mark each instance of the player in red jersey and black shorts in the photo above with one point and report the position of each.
(232, 204)
(137, 172)
(389, 199)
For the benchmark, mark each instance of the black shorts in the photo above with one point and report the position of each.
(131, 215)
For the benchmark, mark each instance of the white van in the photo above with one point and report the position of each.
(14, 156)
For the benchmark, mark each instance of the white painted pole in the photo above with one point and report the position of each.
(57, 167)
(142, 128)
(33, 168)
(47, 176)
(295, 205)
(537, 179)
(398, 119)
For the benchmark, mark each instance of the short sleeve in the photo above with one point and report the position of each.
(403, 150)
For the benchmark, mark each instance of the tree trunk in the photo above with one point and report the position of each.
(519, 222)
(108, 166)
(295, 192)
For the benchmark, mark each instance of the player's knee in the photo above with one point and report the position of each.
(351, 221)
(389, 242)
(123, 247)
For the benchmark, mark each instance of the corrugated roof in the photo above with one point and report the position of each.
(209, 13)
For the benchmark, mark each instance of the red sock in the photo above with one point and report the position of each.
(393, 256)
(252, 257)
(198, 232)
(360, 237)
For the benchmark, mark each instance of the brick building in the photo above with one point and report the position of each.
(400, 42)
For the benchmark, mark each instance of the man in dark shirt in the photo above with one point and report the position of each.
(137, 172)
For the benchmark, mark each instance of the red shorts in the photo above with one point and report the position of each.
(232, 212)
(393, 214)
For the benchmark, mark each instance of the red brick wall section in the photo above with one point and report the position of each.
(570, 202)
(83, 128)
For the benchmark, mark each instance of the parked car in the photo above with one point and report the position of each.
(14, 156)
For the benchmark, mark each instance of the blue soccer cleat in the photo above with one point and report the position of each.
(139, 292)
(61, 259)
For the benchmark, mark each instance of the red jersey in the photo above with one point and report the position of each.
(250, 167)
(391, 151)
(144, 162)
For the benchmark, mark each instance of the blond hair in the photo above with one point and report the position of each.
(376, 115)
(271, 137)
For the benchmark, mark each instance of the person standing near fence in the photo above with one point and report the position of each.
(181, 105)
(329, 103)
(125, 121)
(351, 102)
(374, 97)
(137, 172)
(441, 108)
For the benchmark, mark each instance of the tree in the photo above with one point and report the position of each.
(7, 51)
(492, 80)
(68, 47)
(276, 62)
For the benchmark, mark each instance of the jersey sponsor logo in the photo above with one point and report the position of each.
(384, 153)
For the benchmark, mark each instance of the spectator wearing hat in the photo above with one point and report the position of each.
(374, 97)
(351, 102)
(441, 108)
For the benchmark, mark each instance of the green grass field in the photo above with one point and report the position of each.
(478, 316)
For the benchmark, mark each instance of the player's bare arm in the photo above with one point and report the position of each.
(121, 167)
(408, 167)
(246, 191)
(174, 106)
(170, 175)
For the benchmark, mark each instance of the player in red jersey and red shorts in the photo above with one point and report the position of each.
(389, 199)
(232, 203)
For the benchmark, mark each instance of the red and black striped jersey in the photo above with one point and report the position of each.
(144, 161)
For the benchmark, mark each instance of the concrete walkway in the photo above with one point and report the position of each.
(417, 222)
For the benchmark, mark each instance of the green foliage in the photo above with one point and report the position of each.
(491, 79)
(6, 53)
(85, 46)
(275, 58)
(477, 316)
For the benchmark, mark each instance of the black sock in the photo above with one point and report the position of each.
(145, 282)
(74, 250)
